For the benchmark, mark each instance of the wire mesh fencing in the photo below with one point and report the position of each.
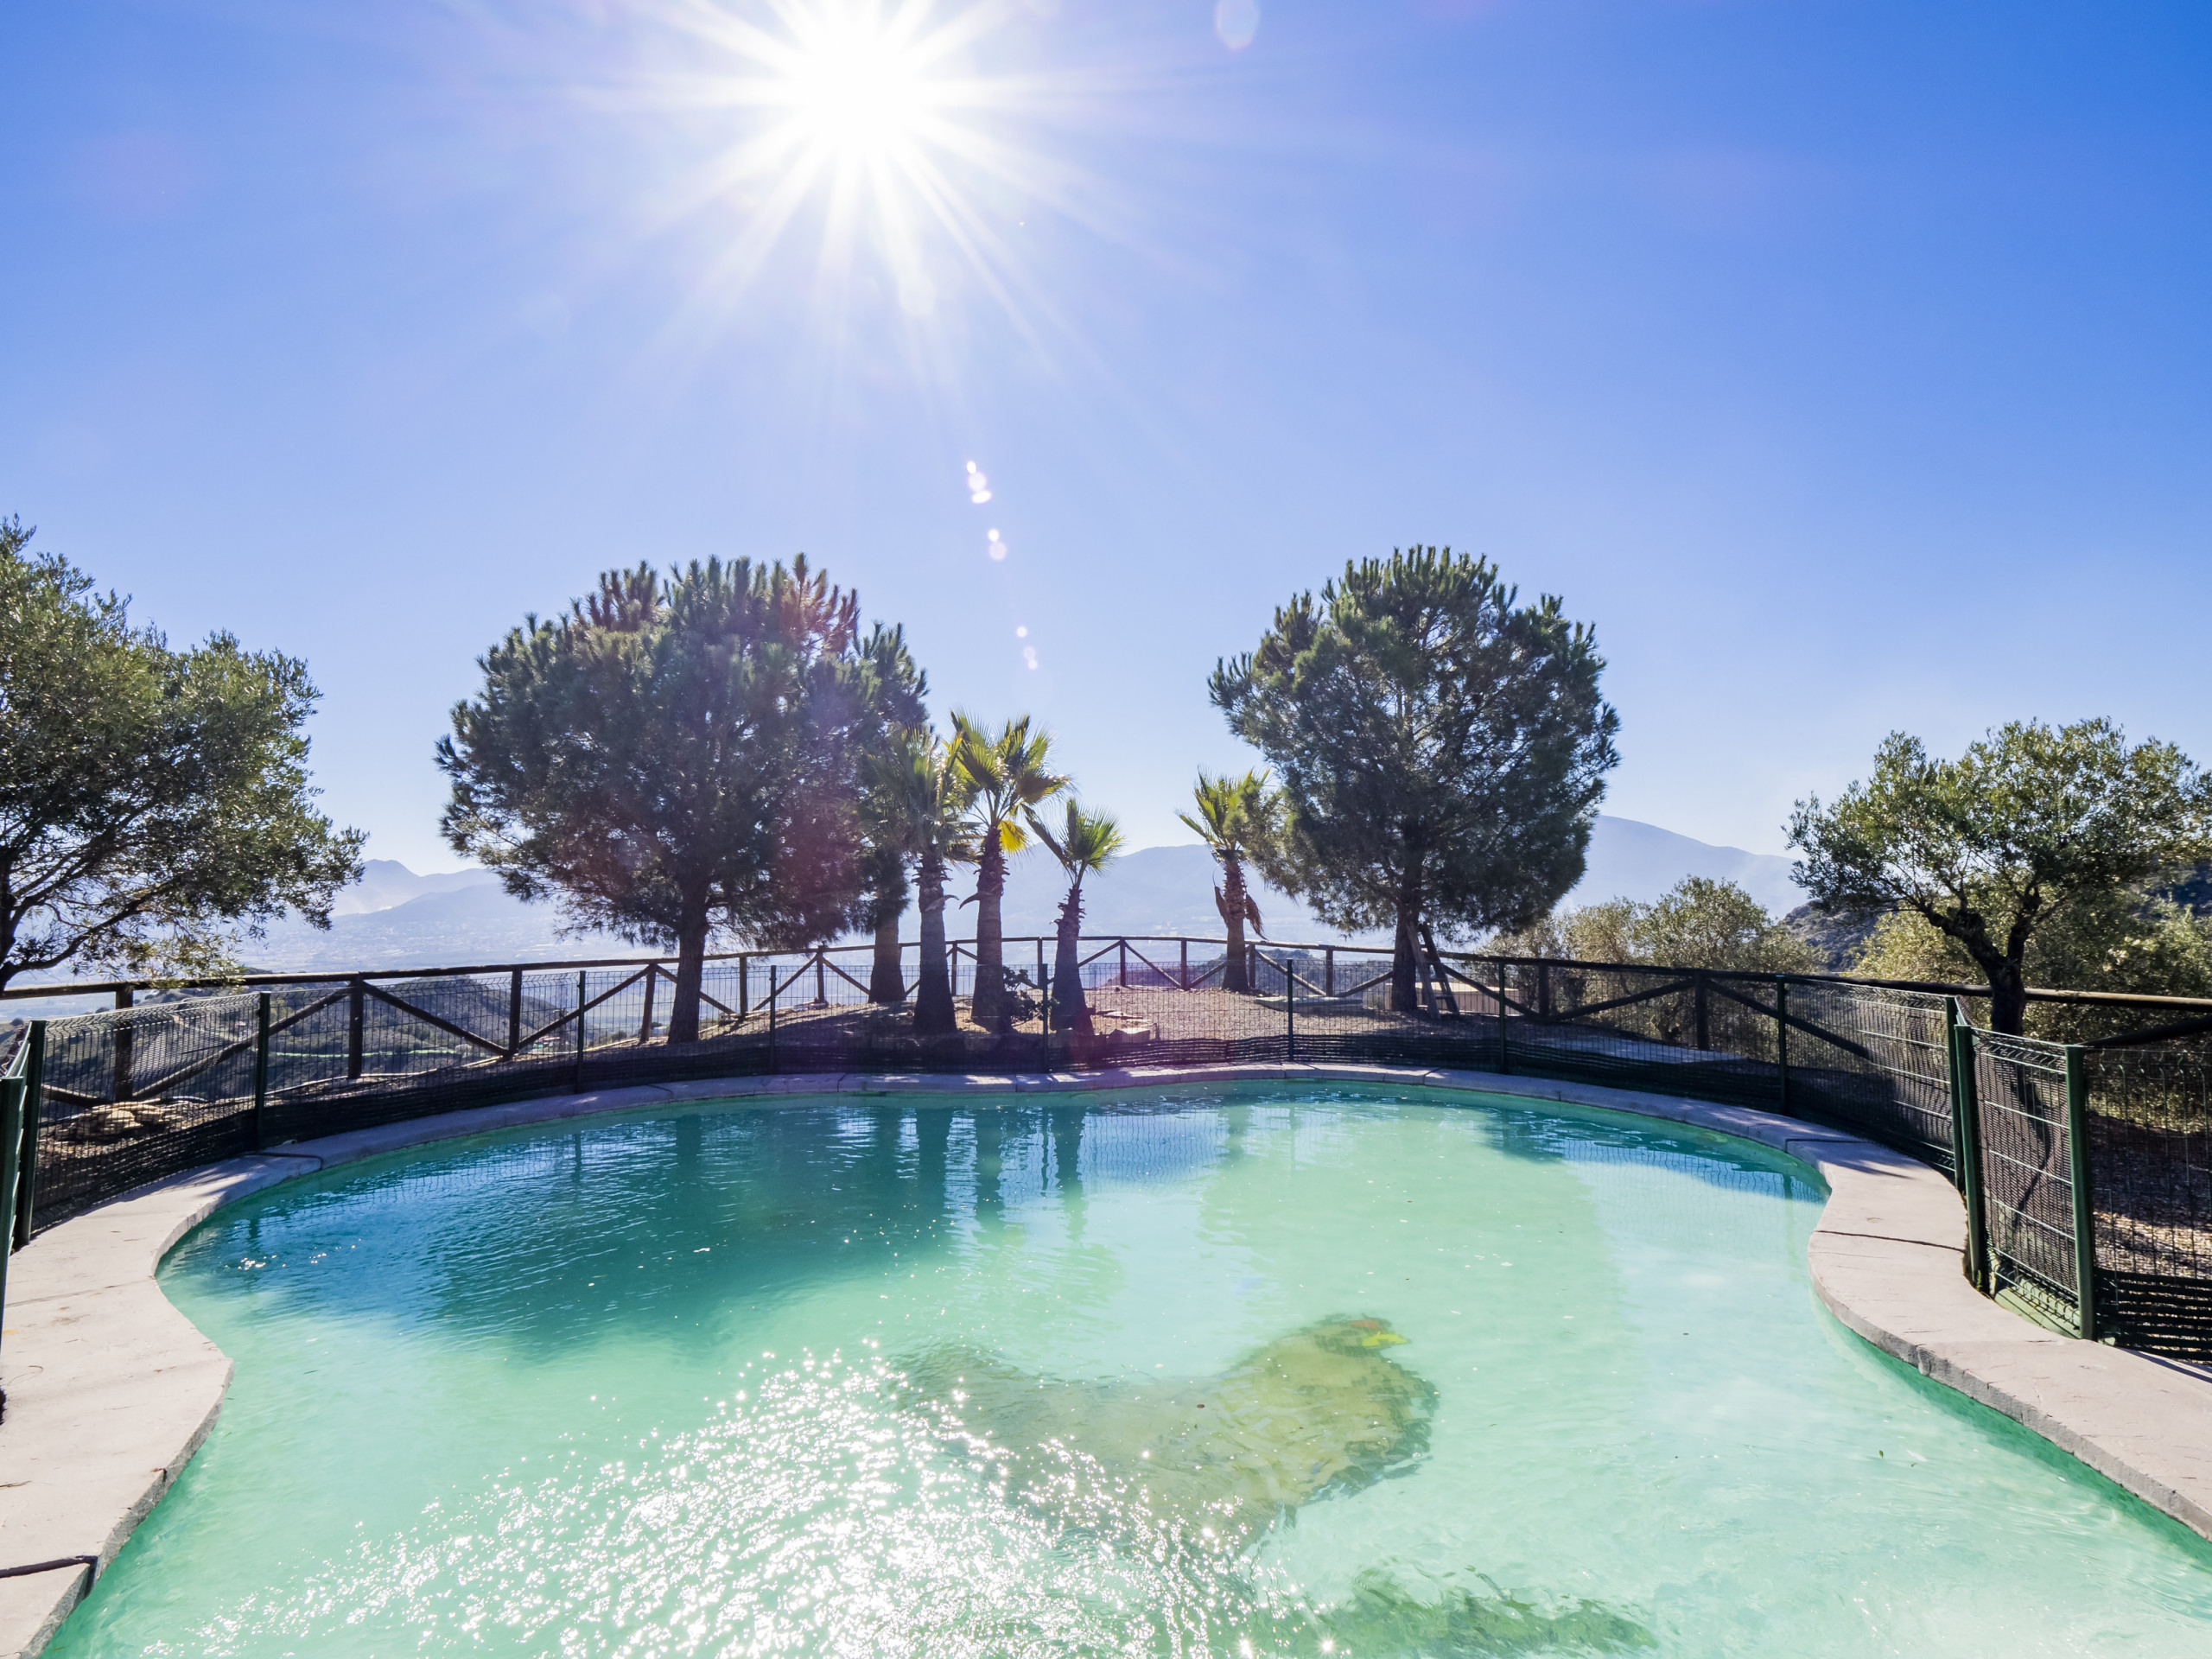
(2150, 1140)
(130, 1096)
(2032, 1193)
(147, 1091)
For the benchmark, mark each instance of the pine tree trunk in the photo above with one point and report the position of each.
(933, 1014)
(690, 969)
(1405, 951)
(886, 984)
(1070, 1011)
(988, 1004)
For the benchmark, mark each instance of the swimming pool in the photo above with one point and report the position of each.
(926, 1376)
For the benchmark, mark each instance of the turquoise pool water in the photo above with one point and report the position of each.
(918, 1378)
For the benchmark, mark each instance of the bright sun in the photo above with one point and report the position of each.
(892, 124)
(858, 87)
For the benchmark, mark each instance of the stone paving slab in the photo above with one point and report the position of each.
(111, 1390)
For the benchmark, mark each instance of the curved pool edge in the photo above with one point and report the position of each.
(111, 1390)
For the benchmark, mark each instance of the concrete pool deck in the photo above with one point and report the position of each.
(111, 1390)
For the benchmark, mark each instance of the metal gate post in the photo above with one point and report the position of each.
(514, 1011)
(1704, 1015)
(771, 1014)
(261, 1073)
(1966, 1127)
(1289, 1013)
(2085, 1212)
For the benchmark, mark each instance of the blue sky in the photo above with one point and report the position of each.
(1846, 364)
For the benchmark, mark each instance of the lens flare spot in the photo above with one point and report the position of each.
(1029, 655)
(996, 547)
(1236, 22)
(979, 487)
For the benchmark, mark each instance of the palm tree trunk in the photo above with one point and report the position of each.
(1070, 1011)
(886, 984)
(988, 1004)
(1229, 900)
(934, 1014)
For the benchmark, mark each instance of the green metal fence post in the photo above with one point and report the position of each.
(2085, 1212)
(1966, 1130)
(11, 1141)
(27, 1146)
(580, 1031)
(261, 1072)
(1782, 1043)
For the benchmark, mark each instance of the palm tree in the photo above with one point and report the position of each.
(1085, 843)
(1007, 770)
(1234, 814)
(922, 800)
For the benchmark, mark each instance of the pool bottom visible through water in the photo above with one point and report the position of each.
(1262, 1370)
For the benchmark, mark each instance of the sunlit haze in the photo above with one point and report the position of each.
(1846, 365)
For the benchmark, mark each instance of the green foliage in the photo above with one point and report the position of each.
(1697, 923)
(153, 802)
(1441, 749)
(2029, 825)
(1086, 844)
(1236, 816)
(682, 754)
(2134, 943)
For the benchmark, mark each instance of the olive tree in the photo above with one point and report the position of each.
(1441, 750)
(154, 803)
(2032, 826)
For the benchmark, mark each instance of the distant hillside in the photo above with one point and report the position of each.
(395, 918)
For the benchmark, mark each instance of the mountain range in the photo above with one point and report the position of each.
(393, 917)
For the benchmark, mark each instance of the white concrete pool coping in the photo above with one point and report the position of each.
(111, 1390)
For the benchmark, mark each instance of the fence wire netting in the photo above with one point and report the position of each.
(2026, 1179)
(2150, 1135)
(145, 1092)
(130, 1096)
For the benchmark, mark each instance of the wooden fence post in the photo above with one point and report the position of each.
(27, 1157)
(1782, 1043)
(580, 1031)
(645, 1020)
(356, 1016)
(126, 1040)
(261, 1073)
